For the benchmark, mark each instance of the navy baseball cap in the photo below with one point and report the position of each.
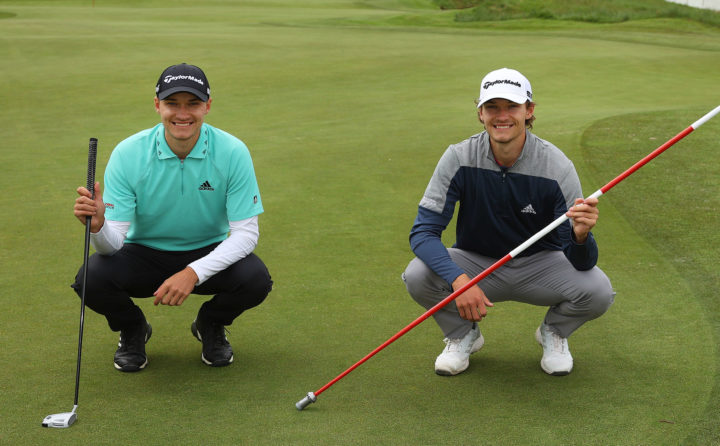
(183, 77)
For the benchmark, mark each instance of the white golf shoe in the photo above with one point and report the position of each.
(556, 359)
(455, 357)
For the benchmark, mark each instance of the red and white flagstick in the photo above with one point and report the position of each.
(311, 397)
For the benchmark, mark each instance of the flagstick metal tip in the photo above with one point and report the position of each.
(310, 398)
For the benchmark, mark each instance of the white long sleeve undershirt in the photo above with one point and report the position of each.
(243, 238)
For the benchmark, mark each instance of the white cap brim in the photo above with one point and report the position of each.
(516, 98)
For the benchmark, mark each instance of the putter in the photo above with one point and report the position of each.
(66, 419)
(311, 397)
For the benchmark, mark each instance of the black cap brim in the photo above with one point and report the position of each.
(170, 91)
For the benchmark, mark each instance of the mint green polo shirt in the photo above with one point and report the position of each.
(180, 205)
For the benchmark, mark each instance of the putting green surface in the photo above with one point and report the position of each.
(346, 107)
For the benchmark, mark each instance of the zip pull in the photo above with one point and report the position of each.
(182, 177)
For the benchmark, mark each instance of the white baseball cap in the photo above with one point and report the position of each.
(506, 84)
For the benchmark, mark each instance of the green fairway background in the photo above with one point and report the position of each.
(346, 107)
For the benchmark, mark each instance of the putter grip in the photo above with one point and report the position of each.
(92, 156)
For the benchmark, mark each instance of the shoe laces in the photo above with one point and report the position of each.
(558, 343)
(217, 333)
(134, 336)
(453, 345)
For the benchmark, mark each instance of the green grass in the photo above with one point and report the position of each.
(668, 205)
(346, 108)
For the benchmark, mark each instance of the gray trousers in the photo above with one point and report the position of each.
(544, 279)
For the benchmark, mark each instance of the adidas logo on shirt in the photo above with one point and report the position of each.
(528, 210)
(206, 186)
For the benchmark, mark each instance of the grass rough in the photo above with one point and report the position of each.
(592, 11)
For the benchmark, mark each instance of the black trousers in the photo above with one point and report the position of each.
(137, 271)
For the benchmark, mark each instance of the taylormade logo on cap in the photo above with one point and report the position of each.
(507, 84)
(170, 78)
(489, 84)
(183, 77)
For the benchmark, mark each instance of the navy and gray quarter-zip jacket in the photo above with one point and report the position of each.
(500, 207)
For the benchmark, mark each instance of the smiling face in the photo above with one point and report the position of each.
(505, 120)
(182, 115)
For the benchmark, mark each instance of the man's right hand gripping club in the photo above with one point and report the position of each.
(85, 207)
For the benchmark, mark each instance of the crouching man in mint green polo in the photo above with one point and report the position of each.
(179, 215)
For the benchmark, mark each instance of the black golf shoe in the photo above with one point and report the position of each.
(130, 355)
(216, 350)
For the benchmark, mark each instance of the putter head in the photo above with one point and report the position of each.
(60, 420)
